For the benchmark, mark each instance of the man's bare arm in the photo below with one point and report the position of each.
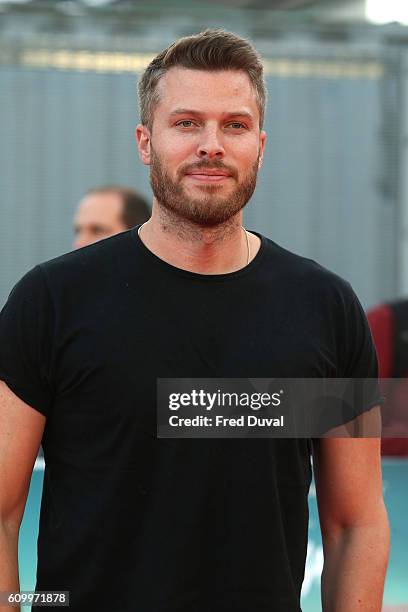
(353, 522)
(21, 429)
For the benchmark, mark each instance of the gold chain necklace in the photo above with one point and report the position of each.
(246, 236)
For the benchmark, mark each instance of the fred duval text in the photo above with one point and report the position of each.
(249, 420)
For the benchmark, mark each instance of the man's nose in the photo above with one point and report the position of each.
(81, 240)
(210, 144)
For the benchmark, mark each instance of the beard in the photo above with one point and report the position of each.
(208, 210)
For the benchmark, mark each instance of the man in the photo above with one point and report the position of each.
(106, 211)
(134, 522)
(389, 327)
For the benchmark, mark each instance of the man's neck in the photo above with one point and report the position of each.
(220, 249)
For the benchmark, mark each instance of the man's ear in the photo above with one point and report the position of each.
(262, 140)
(143, 143)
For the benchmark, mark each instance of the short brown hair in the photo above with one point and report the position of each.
(135, 208)
(209, 50)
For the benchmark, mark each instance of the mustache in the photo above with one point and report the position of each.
(217, 164)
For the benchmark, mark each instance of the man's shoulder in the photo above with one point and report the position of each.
(89, 254)
(91, 259)
(303, 271)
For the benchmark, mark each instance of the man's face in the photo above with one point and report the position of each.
(99, 215)
(205, 146)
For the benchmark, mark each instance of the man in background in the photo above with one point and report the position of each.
(105, 211)
(389, 328)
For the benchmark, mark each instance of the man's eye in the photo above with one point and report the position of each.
(236, 125)
(185, 123)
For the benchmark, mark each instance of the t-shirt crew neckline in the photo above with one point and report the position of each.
(196, 275)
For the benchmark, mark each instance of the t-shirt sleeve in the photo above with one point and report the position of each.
(26, 340)
(359, 361)
(359, 356)
(355, 389)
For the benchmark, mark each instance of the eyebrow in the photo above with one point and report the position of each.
(190, 111)
(93, 226)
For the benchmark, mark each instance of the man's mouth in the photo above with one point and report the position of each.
(210, 176)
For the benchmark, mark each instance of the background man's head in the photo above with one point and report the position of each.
(202, 104)
(105, 211)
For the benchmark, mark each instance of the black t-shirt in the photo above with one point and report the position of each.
(130, 522)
